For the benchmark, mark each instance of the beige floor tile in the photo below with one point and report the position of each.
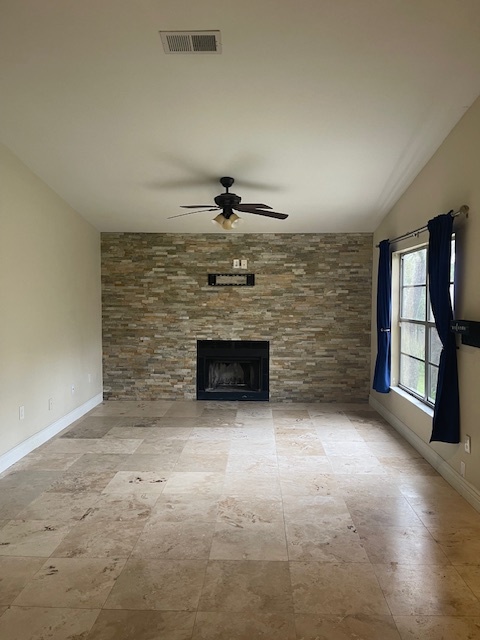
(347, 448)
(339, 589)
(393, 449)
(73, 481)
(206, 483)
(163, 585)
(426, 590)
(143, 625)
(448, 513)
(349, 627)
(37, 538)
(14, 575)
(98, 462)
(405, 545)
(59, 507)
(148, 462)
(400, 466)
(51, 461)
(111, 507)
(238, 511)
(307, 542)
(100, 539)
(202, 462)
(337, 433)
(13, 501)
(365, 486)
(356, 464)
(257, 485)
(80, 583)
(307, 484)
(289, 466)
(245, 586)
(181, 409)
(471, 574)
(437, 628)
(161, 446)
(175, 540)
(114, 407)
(153, 408)
(241, 626)
(32, 623)
(329, 512)
(137, 482)
(91, 427)
(258, 541)
(251, 464)
(382, 512)
(180, 507)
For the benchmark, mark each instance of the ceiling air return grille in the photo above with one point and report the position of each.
(191, 41)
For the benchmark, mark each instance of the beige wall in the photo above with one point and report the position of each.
(50, 317)
(450, 179)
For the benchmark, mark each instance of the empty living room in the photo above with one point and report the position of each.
(257, 416)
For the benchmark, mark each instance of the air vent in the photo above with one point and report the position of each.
(191, 41)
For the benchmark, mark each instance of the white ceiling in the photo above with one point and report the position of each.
(323, 109)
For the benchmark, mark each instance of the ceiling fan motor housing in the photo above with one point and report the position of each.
(226, 201)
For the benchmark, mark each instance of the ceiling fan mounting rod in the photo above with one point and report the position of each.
(226, 182)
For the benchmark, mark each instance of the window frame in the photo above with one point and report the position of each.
(428, 323)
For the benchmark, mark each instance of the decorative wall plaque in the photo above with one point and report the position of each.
(231, 279)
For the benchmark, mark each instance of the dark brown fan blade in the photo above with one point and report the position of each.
(194, 206)
(259, 212)
(254, 205)
(189, 213)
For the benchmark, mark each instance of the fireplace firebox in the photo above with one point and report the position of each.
(232, 370)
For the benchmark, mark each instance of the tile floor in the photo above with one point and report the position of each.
(206, 521)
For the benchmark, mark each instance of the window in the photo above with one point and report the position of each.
(420, 346)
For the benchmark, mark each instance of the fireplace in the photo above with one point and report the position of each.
(232, 370)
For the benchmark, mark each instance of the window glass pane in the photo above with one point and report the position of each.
(412, 374)
(414, 267)
(433, 374)
(430, 313)
(435, 346)
(452, 295)
(412, 339)
(413, 303)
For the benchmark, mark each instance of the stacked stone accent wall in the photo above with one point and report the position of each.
(311, 300)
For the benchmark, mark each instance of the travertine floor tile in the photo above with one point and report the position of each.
(100, 539)
(308, 542)
(137, 482)
(32, 623)
(142, 625)
(437, 627)
(340, 589)
(258, 541)
(160, 509)
(14, 575)
(405, 545)
(59, 507)
(175, 540)
(349, 627)
(37, 538)
(71, 582)
(426, 590)
(164, 585)
(240, 626)
(245, 586)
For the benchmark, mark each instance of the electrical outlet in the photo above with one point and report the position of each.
(21, 412)
(467, 444)
(462, 469)
(243, 264)
(236, 264)
(50, 404)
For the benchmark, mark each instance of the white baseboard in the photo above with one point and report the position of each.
(28, 445)
(464, 488)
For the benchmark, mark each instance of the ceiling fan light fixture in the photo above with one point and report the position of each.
(234, 221)
(220, 219)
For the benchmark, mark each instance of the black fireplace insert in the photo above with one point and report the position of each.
(232, 370)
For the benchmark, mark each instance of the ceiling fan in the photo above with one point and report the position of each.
(227, 203)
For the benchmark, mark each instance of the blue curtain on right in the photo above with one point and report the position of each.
(446, 416)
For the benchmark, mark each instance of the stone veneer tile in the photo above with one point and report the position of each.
(311, 301)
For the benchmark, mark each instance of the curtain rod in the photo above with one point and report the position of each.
(463, 209)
